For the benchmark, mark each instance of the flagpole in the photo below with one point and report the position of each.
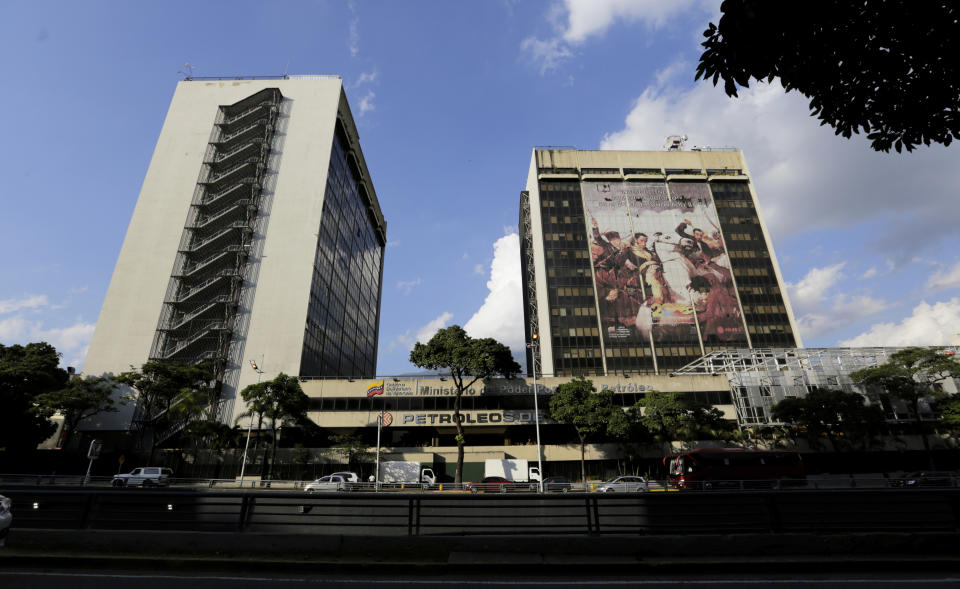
(377, 467)
(243, 466)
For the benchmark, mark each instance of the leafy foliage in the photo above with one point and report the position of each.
(350, 449)
(670, 416)
(912, 375)
(212, 434)
(826, 413)
(886, 67)
(82, 398)
(467, 361)
(168, 391)
(277, 401)
(591, 414)
(26, 372)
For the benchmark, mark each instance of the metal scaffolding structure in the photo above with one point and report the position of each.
(761, 377)
(200, 306)
(530, 295)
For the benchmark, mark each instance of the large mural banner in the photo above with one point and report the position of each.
(661, 269)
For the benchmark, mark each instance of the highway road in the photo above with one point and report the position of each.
(15, 578)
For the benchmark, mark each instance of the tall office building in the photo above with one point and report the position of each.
(257, 236)
(644, 261)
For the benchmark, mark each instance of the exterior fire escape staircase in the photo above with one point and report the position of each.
(199, 311)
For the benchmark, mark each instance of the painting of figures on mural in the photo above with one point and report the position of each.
(661, 269)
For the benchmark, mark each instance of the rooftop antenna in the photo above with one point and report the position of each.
(674, 142)
(286, 69)
(188, 74)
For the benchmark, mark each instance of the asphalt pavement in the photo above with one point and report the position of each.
(40, 578)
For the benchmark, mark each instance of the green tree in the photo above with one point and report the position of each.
(467, 361)
(670, 416)
(830, 413)
(913, 375)
(276, 401)
(591, 414)
(887, 67)
(212, 434)
(169, 392)
(81, 399)
(27, 372)
(351, 450)
(948, 408)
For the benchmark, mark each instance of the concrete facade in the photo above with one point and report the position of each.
(277, 275)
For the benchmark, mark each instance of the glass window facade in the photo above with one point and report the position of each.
(763, 307)
(343, 314)
(575, 333)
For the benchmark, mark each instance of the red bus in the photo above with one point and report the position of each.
(708, 468)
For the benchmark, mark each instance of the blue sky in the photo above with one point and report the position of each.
(449, 98)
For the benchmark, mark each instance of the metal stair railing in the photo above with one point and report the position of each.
(184, 296)
(199, 245)
(212, 197)
(213, 179)
(220, 157)
(256, 124)
(184, 344)
(187, 318)
(208, 221)
(235, 118)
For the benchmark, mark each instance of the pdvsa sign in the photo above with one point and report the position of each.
(487, 418)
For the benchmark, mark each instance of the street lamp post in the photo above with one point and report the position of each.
(243, 466)
(536, 407)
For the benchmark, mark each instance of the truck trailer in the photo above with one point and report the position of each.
(515, 470)
(405, 472)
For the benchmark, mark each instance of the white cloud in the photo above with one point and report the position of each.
(14, 329)
(26, 302)
(366, 78)
(586, 18)
(366, 103)
(549, 54)
(820, 311)
(501, 315)
(929, 325)
(812, 288)
(478, 269)
(805, 176)
(354, 29)
(427, 331)
(72, 341)
(407, 285)
(575, 21)
(948, 279)
(404, 340)
(869, 274)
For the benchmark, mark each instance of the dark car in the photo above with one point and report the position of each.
(926, 479)
(489, 484)
(561, 484)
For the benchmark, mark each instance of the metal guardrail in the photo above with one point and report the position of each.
(812, 483)
(827, 511)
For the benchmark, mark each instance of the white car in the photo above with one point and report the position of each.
(145, 476)
(350, 477)
(626, 484)
(6, 518)
(331, 482)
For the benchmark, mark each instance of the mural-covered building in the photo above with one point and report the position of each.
(645, 261)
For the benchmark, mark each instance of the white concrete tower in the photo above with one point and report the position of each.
(257, 235)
